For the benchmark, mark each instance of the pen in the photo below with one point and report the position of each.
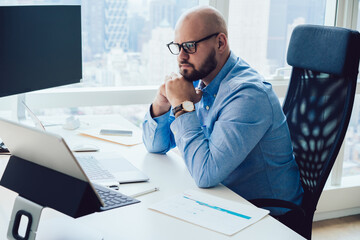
(145, 192)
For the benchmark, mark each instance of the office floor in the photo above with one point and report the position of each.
(345, 228)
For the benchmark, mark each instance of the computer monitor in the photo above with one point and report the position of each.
(40, 47)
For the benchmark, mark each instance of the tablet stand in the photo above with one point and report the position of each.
(40, 187)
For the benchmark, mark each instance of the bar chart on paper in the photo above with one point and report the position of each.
(211, 212)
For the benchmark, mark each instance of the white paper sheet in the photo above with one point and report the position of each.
(217, 214)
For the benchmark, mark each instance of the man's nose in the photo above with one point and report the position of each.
(182, 55)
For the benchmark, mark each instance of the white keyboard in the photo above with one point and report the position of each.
(93, 168)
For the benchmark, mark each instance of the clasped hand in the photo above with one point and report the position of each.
(175, 90)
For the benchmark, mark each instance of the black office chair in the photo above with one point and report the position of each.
(318, 106)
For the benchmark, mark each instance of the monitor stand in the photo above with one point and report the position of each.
(19, 110)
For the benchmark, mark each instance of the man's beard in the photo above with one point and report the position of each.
(205, 69)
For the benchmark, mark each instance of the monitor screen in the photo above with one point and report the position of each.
(40, 47)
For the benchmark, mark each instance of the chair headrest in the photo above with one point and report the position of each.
(325, 49)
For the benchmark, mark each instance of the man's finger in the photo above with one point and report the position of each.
(167, 78)
(173, 76)
(162, 90)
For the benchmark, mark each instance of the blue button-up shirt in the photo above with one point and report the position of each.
(238, 136)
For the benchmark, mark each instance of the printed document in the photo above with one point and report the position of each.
(214, 213)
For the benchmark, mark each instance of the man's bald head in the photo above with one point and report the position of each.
(205, 20)
(207, 28)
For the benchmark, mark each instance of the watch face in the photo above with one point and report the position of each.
(188, 106)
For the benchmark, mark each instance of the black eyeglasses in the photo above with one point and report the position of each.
(189, 47)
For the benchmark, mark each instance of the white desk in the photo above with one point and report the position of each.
(169, 173)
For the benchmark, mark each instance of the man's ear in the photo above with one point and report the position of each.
(222, 42)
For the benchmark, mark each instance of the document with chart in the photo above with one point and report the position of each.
(214, 213)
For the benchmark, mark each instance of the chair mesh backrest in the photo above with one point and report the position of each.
(316, 110)
(319, 101)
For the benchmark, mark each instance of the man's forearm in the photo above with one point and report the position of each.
(157, 136)
(157, 110)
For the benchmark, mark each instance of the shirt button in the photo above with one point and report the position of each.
(207, 107)
(214, 95)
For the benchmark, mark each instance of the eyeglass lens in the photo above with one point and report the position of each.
(188, 47)
(174, 48)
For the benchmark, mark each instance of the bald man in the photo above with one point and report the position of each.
(224, 118)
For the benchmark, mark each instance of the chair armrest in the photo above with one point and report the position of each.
(269, 202)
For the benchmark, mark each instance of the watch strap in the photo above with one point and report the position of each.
(177, 109)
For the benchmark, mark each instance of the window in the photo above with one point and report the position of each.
(351, 165)
(358, 17)
(125, 41)
(260, 30)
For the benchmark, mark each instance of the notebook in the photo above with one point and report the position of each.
(108, 169)
(51, 151)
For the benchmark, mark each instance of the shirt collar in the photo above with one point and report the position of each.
(214, 85)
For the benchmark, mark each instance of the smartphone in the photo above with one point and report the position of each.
(116, 132)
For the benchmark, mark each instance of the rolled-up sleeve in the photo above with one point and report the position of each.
(157, 136)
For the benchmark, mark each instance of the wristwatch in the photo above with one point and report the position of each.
(186, 106)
